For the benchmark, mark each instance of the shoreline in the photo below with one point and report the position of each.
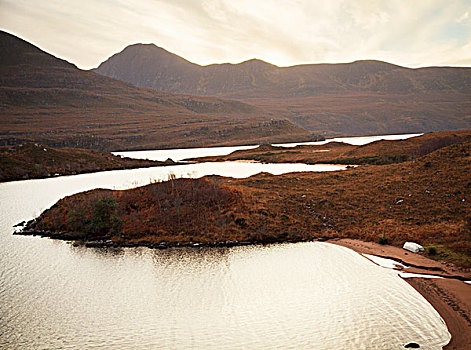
(106, 242)
(449, 296)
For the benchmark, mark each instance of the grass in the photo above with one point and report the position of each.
(376, 153)
(446, 252)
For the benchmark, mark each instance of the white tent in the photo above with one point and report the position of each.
(413, 247)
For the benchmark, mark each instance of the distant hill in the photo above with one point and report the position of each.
(48, 100)
(363, 97)
(151, 66)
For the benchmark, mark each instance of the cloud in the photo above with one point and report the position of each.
(283, 32)
(464, 18)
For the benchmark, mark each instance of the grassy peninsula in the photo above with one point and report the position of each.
(33, 161)
(425, 198)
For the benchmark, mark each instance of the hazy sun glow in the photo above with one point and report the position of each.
(283, 32)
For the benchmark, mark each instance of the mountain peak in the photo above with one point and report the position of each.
(256, 62)
(137, 55)
(376, 63)
(144, 47)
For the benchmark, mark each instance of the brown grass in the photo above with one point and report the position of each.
(377, 153)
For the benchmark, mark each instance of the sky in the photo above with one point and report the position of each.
(283, 32)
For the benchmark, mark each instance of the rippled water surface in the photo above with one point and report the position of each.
(307, 295)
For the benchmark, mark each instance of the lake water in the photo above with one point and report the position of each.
(306, 295)
(183, 153)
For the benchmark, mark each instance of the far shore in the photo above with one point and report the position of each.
(450, 297)
(30, 161)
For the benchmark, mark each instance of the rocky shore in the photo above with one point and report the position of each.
(24, 229)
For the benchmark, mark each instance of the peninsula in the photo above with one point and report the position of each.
(35, 161)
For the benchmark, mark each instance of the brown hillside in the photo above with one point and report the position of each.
(50, 101)
(363, 97)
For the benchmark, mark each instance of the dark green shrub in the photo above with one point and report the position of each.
(105, 217)
(432, 251)
(77, 220)
(383, 240)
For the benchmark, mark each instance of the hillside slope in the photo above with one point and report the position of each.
(363, 97)
(48, 100)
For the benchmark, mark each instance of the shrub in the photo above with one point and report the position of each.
(77, 220)
(383, 240)
(432, 251)
(105, 217)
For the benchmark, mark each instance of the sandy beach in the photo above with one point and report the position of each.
(449, 295)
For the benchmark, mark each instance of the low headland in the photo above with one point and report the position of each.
(35, 161)
(417, 189)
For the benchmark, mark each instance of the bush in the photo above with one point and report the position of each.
(105, 217)
(77, 220)
(432, 251)
(383, 240)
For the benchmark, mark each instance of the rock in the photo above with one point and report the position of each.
(412, 346)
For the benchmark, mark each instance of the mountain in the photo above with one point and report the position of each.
(362, 97)
(151, 66)
(48, 100)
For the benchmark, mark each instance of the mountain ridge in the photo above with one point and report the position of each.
(166, 71)
(48, 100)
(364, 97)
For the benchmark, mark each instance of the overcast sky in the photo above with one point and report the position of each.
(284, 32)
